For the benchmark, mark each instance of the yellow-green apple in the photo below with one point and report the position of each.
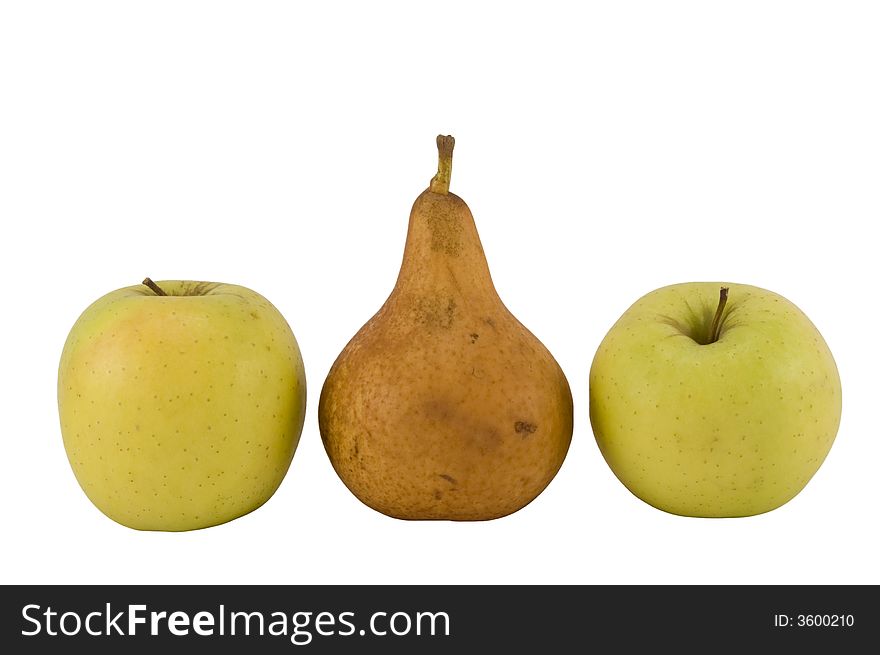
(181, 403)
(714, 399)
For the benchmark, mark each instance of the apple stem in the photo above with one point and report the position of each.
(440, 182)
(155, 288)
(715, 330)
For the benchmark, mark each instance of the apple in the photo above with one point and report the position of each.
(715, 400)
(181, 403)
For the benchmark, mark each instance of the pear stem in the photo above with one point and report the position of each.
(715, 330)
(440, 182)
(155, 288)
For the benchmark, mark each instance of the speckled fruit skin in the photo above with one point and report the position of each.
(444, 406)
(180, 412)
(733, 428)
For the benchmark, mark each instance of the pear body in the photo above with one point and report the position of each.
(444, 406)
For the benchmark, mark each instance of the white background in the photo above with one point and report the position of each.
(606, 149)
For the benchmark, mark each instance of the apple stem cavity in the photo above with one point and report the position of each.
(715, 330)
(155, 288)
(440, 182)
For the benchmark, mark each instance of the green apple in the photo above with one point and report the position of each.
(181, 403)
(707, 402)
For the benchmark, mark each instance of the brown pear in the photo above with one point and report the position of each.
(444, 406)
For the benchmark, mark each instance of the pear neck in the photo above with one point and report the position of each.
(443, 252)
